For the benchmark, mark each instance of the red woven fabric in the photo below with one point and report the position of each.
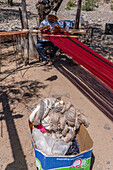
(92, 61)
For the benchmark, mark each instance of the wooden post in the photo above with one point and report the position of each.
(32, 47)
(0, 57)
(26, 50)
(20, 12)
(10, 2)
(78, 14)
(24, 14)
(24, 23)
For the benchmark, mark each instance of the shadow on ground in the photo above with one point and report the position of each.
(24, 91)
(15, 93)
(18, 155)
(13, 14)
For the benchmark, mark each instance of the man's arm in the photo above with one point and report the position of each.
(47, 27)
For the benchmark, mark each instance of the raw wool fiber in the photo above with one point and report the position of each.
(58, 117)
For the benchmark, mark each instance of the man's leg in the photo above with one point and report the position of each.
(55, 48)
(40, 48)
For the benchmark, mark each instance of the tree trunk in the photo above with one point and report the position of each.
(24, 14)
(44, 9)
(58, 5)
(21, 19)
(24, 23)
(78, 14)
(10, 2)
(28, 45)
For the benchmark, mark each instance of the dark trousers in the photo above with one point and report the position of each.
(40, 48)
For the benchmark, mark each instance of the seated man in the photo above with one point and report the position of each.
(48, 24)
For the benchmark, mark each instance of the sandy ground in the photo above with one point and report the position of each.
(20, 92)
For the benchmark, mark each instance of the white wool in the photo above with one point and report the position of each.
(33, 113)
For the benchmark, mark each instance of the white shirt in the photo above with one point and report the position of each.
(46, 22)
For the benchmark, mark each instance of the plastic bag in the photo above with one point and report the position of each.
(49, 145)
(40, 141)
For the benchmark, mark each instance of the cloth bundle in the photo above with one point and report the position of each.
(58, 118)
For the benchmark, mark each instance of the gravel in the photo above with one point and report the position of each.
(10, 19)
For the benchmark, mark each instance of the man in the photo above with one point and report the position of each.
(50, 24)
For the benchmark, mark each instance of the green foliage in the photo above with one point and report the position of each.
(89, 5)
(111, 6)
(68, 8)
(69, 5)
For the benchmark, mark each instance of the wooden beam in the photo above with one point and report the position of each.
(52, 35)
(12, 34)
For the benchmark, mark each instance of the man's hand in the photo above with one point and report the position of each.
(56, 26)
(48, 27)
(58, 29)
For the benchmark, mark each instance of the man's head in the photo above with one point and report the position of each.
(52, 16)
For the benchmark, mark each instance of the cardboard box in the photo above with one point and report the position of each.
(80, 161)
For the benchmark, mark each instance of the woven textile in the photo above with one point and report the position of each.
(83, 55)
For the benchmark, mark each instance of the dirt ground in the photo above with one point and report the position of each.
(21, 89)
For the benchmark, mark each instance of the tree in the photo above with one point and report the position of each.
(45, 6)
(24, 23)
(10, 2)
(24, 14)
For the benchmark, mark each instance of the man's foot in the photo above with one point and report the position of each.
(53, 59)
(44, 63)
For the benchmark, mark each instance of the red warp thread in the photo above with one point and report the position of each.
(83, 55)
